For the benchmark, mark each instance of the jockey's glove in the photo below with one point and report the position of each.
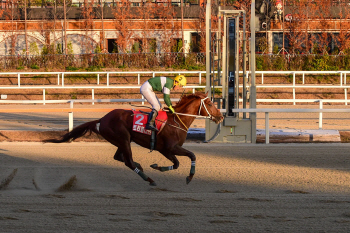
(171, 109)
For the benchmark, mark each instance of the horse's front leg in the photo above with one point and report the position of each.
(178, 150)
(170, 154)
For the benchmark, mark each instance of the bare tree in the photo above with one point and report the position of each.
(147, 13)
(88, 24)
(296, 26)
(166, 15)
(343, 39)
(323, 25)
(123, 24)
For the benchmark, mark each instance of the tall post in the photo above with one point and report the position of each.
(25, 26)
(182, 26)
(208, 46)
(208, 60)
(244, 67)
(65, 28)
(103, 29)
(252, 71)
(283, 28)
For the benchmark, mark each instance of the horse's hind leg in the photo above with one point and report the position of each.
(127, 155)
(119, 157)
(123, 154)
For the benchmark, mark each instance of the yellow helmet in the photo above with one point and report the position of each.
(180, 80)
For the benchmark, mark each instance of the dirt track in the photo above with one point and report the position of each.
(78, 187)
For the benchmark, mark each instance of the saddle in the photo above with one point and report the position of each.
(140, 120)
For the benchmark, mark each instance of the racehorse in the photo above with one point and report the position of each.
(116, 128)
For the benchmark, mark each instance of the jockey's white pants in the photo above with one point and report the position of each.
(147, 91)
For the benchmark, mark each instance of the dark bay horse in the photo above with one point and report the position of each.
(116, 128)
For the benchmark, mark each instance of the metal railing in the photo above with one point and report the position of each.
(61, 82)
(269, 110)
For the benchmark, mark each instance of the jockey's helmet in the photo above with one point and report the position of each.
(180, 80)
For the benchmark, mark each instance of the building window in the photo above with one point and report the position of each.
(112, 46)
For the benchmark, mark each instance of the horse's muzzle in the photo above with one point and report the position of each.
(217, 119)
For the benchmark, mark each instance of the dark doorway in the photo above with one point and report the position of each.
(112, 46)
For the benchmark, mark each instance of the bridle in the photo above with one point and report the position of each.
(205, 107)
(197, 116)
(199, 111)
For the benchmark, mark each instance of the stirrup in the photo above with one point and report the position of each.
(151, 127)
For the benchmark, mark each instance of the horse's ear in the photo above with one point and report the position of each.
(206, 94)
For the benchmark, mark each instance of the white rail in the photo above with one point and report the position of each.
(268, 110)
(61, 82)
(61, 75)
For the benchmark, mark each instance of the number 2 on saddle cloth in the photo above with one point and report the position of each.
(140, 121)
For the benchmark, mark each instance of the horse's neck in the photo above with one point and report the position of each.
(191, 109)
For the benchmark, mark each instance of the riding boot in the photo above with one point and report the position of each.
(151, 119)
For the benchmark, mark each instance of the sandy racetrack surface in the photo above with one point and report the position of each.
(78, 187)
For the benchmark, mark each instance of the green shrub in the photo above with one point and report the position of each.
(71, 68)
(35, 67)
(259, 63)
(93, 68)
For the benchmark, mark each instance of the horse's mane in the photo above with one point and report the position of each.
(186, 98)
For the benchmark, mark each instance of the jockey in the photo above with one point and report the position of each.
(164, 85)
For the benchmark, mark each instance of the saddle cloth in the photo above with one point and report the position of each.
(140, 121)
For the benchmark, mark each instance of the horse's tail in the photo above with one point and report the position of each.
(77, 132)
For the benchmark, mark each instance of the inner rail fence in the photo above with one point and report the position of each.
(342, 84)
(71, 110)
(269, 110)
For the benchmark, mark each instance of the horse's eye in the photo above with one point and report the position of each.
(210, 105)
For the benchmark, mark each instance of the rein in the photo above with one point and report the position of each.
(197, 116)
(200, 107)
(182, 122)
(174, 125)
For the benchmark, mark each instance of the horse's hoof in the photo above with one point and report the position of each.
(154, 166)
(188, 179)
(153, 183)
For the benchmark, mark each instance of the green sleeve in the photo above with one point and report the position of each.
(167, 100)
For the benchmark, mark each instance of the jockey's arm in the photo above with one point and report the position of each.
(167, 100)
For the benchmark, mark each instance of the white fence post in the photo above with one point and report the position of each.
(58, 79)
(93, 95)
(293, 88)
(346, 96)
(43, 96)
(98, 79)
(341, 79)
(262, 78)
(320, 116)
(70, 117)
(345, 90)
(138, 79)
(267, 131)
